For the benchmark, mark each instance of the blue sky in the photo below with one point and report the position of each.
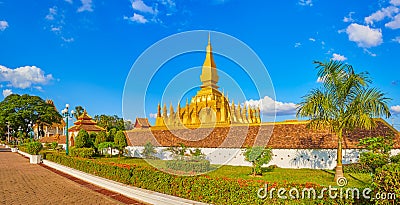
(81, 51)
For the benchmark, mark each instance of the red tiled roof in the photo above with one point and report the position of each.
(59, 139)
(289, 135)
(142, 123)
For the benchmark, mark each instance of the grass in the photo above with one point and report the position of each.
(279, 175)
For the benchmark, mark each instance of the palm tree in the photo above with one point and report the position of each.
(344, 102)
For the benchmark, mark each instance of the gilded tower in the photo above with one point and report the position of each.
(209, 105)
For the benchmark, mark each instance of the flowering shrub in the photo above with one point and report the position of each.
(199, 188)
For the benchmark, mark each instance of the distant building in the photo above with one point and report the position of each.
(84, 122)
(55, 130)
(141, 123)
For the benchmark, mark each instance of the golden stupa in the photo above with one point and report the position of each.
(209, 106)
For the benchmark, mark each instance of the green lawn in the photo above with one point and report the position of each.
(279, 175)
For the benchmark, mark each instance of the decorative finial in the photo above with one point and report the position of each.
(209, 41)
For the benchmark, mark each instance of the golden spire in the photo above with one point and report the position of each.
(209, 76)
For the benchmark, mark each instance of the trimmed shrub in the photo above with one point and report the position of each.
(34, 148)
(356, 168)
(199, 188)
(395, 158)
(81, 152)
(189, 166)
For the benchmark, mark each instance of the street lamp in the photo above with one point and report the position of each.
(66, 115)
(8, 126)
(30, 130)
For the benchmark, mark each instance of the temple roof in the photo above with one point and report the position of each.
(142, 123)
(209, 76)
(85, 122)
(285, 135)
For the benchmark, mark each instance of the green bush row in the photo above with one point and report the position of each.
(189, 166)
(81, 152)
(356, 168)
(387, 181)
(199, 188)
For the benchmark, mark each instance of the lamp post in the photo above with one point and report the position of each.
(8, 133)
(30, 130)
(66, 115)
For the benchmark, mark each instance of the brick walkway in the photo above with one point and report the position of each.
(24, 183)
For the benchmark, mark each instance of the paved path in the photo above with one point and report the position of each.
(24, 183)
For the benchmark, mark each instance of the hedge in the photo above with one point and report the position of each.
(387, 180)
(199, 188)
(189, 166)
(81, 152)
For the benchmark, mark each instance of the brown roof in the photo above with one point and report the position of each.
(142, 123)
(285, 135)
(59, 139)
(85, 122)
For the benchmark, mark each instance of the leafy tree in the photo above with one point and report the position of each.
(344, 102)
(120, 141)
(20, 110)
(258, 156)
(197, 154)
(177, 152)
(109, 122)
(111, 134)
(128, 125)
(106, 145)
(149, 151)
(78, 111)
(82, 139)
(378, 153)
(100, 137)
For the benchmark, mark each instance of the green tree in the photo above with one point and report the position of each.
(78, 111)
(111, 134)
(258, 156)
(149, 151)
(344, 102)
(21, 110)
(120, 142)
(82, 139)
(109, 122)
(100, 137)
(106, 145)
(378, 153)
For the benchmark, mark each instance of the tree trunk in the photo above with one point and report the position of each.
(339, 166)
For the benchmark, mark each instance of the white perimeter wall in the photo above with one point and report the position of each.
(285, 158)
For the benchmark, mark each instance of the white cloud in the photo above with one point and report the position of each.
(381, 14)
(153, 115)
(269, 106)
(298, 44)
(364, 36)
(7, 92)
(3, 25)
(137, 18)
(139, 5)
(395, 109)
(395, 2)
(348, 18)
(24, 77)
(52, 13)
(87, 5)
(395, 23)
(305, 3)
(312, 39)
(338, 57)
(397, 39)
